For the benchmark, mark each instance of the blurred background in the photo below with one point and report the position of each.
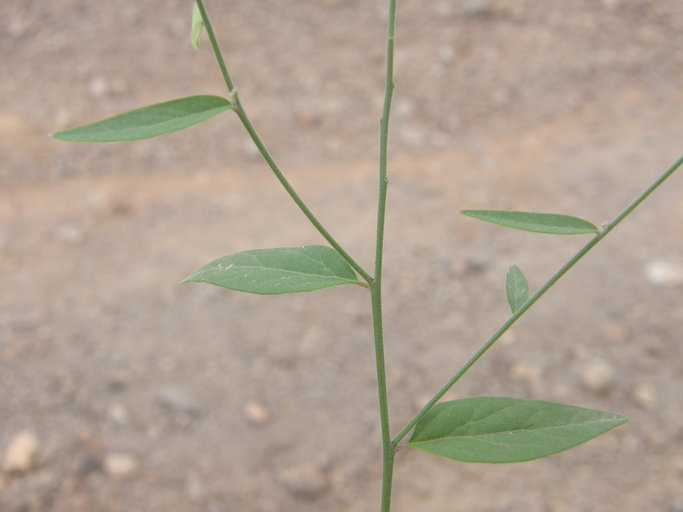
(122, 390)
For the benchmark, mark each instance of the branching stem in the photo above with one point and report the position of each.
(532, 300)
(241, 113)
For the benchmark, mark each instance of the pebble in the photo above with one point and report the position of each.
(256, 413)
(413, 136)
(17, 27)
(69, 233)
(611, 5)
(645, 396)
(118, 415)
(664, 273)
(525, 372)
(305, 481)
(98, 86)
(676, 505)
(405, 108)
(178, 400)
(480, 8)
(598, 376)
(22, 454)
(119, 464)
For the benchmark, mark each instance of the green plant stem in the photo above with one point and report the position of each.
(387, 447)
(376, 287)
(241, 113)
(532, 300)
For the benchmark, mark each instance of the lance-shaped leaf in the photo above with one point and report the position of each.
(503, 430)
(197, 26)
(516, 288)
(551, 223)
(277, 271)
(150, 121)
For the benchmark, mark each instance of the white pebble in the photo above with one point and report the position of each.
(119, 464)
(22, 453)
(598, 376)
(664, 273)
(256, 413)
(644, 396)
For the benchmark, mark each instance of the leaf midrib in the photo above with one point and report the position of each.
(442, 438)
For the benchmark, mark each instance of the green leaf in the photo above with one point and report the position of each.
(276, 271)
(516, 288)
(537, 222)
(150, 121)
(197, 26)
(503, 430)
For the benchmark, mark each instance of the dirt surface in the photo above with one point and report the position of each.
(135, 393)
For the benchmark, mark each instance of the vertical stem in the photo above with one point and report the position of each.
(376, 286)
(387, 447)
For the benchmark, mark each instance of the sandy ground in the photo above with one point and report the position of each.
(135, 393)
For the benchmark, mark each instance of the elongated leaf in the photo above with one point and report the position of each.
(197, 26)
(551, 223)
(150, 121)
(276, 271)
(516, 288)
(502, 430)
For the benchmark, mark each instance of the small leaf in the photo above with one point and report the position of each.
(537, 222)
(516, 288)
(149, 121)
(197, 26)
(276, 271)
(503, 430)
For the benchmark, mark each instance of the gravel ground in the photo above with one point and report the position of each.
(125, 391)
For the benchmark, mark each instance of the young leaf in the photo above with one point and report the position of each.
(150, 121)
(503, 430)
(537, 222)
(277, 271)
(516, 288)
(197, 26)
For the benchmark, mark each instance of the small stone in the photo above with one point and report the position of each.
(17, 27)
(22, 454)
(482, 9)
(508, 338)
(477, 262)
(525, 372)
(98, 86)
(664, 273)
(613, 332)
(195, 486)
(119, 464)
(405, 108)
(179, 401)
(69, 233)
(676, 505)
(118, 415)
(598, 376)
(305, 481)
(413, 136)
(250, 149)
(256, 413)
(446, 54)
(644, 396)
